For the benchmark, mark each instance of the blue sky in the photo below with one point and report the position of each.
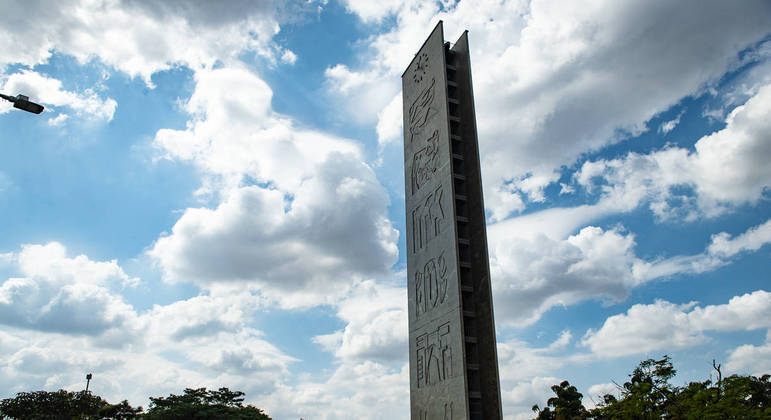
(214, 195)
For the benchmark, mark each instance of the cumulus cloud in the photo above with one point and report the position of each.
(670, 125)
(531, 276)
(200, 316)
(527, 372)
(595, 393)
(518, 361)
(389, 124)
(373, 11)
(533, 272)
(302, 252)
(364, 91)
(726, 168)
(751, 240)
(49, 92)
(241, 361)
(665, 325)
(66, 317)
(312, 218)
(233, 133)
(58, 121)
(751, 358)
(526, 393)
(364, 389)
(288, 57)
(537, 65)
(376, 317)
(57, 293)
(140, 37)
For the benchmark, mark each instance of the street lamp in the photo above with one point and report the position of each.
(88, 380)
(22, 102)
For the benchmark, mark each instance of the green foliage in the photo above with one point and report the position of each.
(194, 404)
(737, 397)
(203, 404)
(566, 405)
(649, 395)
(120, 411)
(61, 404)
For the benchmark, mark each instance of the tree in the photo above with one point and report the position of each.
(567, 404)
(201, 403)
(649, 395)
(61, 404)
(120, 411)
(193, 404)
(737, 397)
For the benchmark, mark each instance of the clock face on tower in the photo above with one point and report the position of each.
(420, 68)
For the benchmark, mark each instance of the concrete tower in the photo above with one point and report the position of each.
(453, 358)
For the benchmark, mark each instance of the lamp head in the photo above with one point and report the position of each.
(22, 102)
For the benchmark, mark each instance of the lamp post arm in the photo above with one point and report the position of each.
(22, 102)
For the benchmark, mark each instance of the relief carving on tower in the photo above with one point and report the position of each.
(425, 162)
(434, 356)
(444, 414)
(420, 110)
(427, 219)
(431, 285)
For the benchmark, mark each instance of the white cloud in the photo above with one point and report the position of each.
(234, 133)
(300, 253)
(315, 222)
(140, 37)
(62, 317)
(288, 57)
(537, 64)
(527, 373)
(664, 325)
(200, 316)
(526, 393)
(748, 312)
(597, 391)
(644, 328)
(51, 361)
(49, 92)
(531, 276)
(602, 389)
(376, 317)
(363, 96)
(58, 121)
(51, 263)
(363, 389)
(370, 11)
(755, 360)
(57, 293)
(364, 92)
(389, 124)
(518, 361)
(534, 271)
(670, 125)
(726, 168)
(751, 240)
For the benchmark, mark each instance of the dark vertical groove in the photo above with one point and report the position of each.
(483, 382)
